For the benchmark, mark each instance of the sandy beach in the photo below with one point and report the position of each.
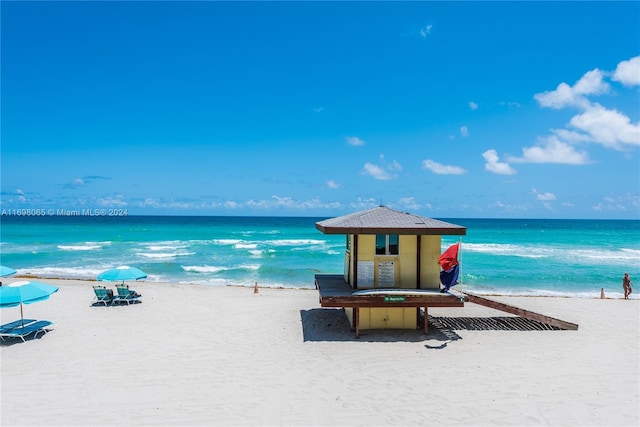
(203, 355)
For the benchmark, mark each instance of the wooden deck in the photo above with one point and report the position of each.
(334, 292)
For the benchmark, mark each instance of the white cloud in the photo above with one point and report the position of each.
(511, 208)
(115, 201)
(383, 173)
(425, 31)
(552, 150)
(286, 202)
(494, 165)
(257, 204)
(395, 166)
(409, 203)
(151, 203)
(376, 172)
(332, 184)
(609, 128)
(473, 105)
(590, 83)
(509, 104)
(361, 203)
(596, 124)
(464, 131)
(628, 72)
(441, 169)
(619, 203)
(545, 197)
(354, 140)
(570, 136)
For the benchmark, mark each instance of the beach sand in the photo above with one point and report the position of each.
(202, 355)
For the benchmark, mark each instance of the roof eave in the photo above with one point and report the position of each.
(457, 231)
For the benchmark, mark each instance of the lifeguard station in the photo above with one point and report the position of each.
(391, 268)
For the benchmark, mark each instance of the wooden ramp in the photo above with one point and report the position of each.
(519, 311)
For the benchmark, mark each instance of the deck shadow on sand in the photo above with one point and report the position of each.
(326, 324)
(10, 341)
(331, 324)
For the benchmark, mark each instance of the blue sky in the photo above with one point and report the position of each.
(448, 110)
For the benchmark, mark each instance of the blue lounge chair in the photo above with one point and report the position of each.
(12, 325)
(103, 295)
(23, 331)
(126, 295)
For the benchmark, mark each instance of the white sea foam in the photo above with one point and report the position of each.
(218, 269)
(256, 253)
(245, 245)
(502, 291)
(596, 255)
(165, 247)
(226, 241)
(295, 242)
(163, 255)
(62, 272)
(85, 247)
(506, 249)
(203, 268)
(209, 281)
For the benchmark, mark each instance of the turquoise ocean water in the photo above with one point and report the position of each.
(505, 256)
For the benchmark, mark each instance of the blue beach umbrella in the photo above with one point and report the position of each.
(6, 271)
(24, 292)
(123, 273)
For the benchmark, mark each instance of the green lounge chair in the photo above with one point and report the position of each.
(103, 295)
(12, 325)
(126, 295)
(23, 331)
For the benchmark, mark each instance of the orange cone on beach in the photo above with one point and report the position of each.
(255, 288)
(602, 293)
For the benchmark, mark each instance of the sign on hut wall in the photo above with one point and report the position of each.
(386, 274)
(365, 274)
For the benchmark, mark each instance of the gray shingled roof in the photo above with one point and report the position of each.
(382, 220)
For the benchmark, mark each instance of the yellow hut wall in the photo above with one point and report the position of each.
(384, 317)
(405, 275)
(388, 317)
(406, 268)
(429, 267)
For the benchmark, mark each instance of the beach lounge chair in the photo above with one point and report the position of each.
(23, 331)
(103, 295)
(12, 325)
(126, 295)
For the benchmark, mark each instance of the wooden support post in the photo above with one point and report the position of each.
(356, 320)
(418, 261)
(354, 256)
(426, 320)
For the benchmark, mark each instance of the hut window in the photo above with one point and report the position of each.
(393, 244)
(386, 244)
